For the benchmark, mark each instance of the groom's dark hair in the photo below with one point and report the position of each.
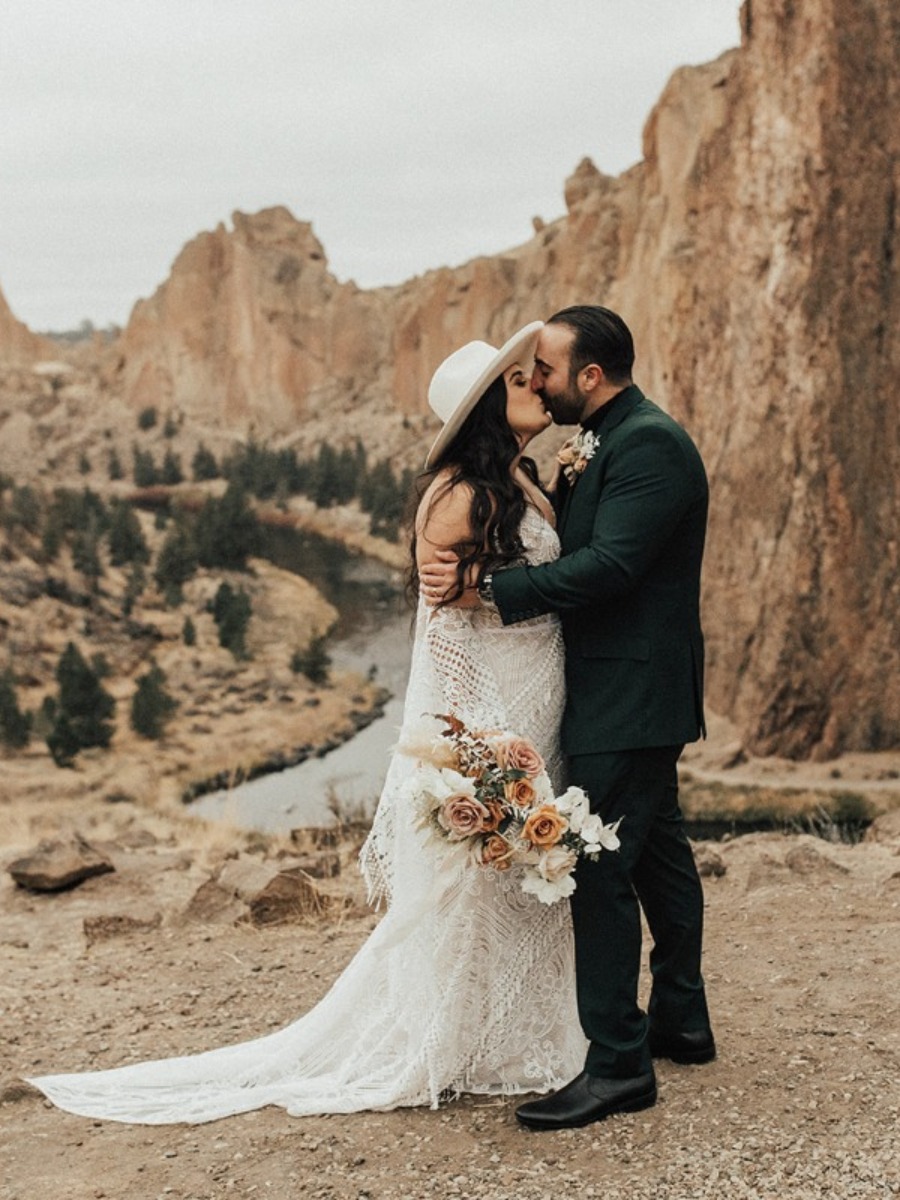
(601, 337)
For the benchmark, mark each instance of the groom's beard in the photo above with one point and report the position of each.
(565, 407)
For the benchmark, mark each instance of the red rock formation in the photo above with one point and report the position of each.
(18, 345)
(755, 253)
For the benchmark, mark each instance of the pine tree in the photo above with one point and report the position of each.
(326, 486)
(176, 563)
(84, 709)
(62, 741)
(384, 498)
(86, 554)
(75, 511)
(114, 466)
(145, 472)
(204, 465)
(313, 662)
(171, 472)
(126, 538)
(151, 705)
(232, 611)
(15, 726)
(227, 531)
(135, 583)
(25, 510)
(51, 536)
(189, 632)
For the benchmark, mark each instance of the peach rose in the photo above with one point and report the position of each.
(518, 754)
(545, 826)
(495, 853)
(520, 792)
(494, 818)
(462, 815)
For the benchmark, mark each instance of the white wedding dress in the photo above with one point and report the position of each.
(467, 983)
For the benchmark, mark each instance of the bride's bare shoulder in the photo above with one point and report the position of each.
(445, 502)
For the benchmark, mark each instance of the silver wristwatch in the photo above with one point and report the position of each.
(486, 588)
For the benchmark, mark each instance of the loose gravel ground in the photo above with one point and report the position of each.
(803, 1101)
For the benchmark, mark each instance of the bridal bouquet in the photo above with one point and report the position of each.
(487, 794)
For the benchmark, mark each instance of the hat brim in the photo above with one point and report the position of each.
(520, 345)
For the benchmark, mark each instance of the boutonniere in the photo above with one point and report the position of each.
(575, 454)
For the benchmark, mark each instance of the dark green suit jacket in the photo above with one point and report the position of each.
(627, 584)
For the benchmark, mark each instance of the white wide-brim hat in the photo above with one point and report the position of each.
(463, 378)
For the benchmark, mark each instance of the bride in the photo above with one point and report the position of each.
(467, 983)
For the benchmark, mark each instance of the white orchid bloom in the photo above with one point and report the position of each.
(546, 890)
(597, 836)
(574, 804)
(442, 782)
(543, 790)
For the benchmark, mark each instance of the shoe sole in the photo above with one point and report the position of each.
(686, 1058)
(638, 1104)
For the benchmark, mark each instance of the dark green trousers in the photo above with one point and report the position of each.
(654, 870)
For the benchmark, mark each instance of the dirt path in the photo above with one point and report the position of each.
(804, 1100)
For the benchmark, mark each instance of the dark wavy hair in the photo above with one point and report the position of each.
(481, 455)
(601, 337)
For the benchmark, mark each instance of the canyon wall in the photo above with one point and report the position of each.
(18, 345)
(754, 251)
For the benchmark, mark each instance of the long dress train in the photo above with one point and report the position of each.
(467, 983)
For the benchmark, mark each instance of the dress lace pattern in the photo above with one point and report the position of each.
(466, 984)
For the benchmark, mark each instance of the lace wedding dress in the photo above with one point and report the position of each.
(466, 984)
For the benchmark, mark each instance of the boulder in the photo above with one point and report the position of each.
(59, 864)
(710, 864)
(807, 859)
(885, 829)
(258, 893)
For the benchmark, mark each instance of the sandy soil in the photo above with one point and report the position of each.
(804, 1099)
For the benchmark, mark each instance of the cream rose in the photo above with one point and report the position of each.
(556, 862)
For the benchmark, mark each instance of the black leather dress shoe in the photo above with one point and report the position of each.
(587, 1099)
(695, 1047)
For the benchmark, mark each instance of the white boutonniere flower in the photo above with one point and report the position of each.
(575, 454)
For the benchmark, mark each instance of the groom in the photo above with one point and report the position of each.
(631, 507)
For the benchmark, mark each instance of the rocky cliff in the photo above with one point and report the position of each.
(754, 251)
(18, 345)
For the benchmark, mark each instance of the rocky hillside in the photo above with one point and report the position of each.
(753, 250)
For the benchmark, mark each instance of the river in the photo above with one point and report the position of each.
(373, 633)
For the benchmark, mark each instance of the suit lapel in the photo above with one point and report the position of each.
(620, 407)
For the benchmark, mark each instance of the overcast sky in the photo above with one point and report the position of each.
(412, 134)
